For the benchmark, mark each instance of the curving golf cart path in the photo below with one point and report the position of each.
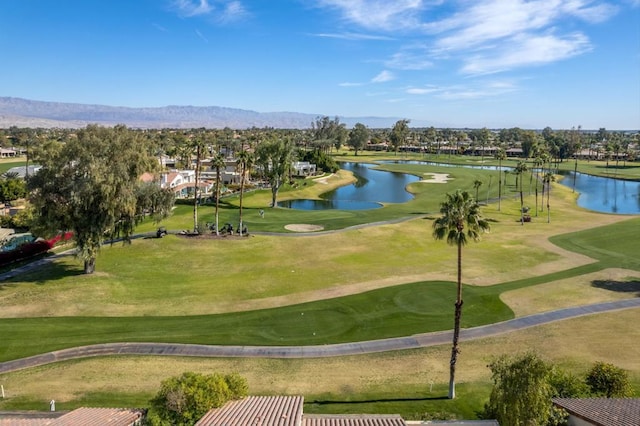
(315, 351)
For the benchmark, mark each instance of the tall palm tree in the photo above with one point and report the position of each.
(476, 185)
(548, 178)
(218, 164)
(545, 159)
(519, 171)
(537, 163)
(500, 155)
(245, 162)
(198, 147)
(460, 221)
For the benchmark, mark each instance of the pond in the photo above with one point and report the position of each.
(603, 194)
(372, 188)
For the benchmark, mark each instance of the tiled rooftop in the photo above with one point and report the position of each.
(352, 420)
(603, 411)
(256, 411)
(80, 417)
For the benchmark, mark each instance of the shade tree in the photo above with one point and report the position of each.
(90, 186)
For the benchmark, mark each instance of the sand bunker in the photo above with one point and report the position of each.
(437, 178)
(303, 227)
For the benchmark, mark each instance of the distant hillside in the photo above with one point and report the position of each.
(27, 113)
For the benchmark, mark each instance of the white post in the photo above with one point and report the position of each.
(52, 405)
(2, 387)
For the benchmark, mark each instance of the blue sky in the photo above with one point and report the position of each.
(466, 63)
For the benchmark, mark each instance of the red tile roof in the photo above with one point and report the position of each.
(100, 417)
(603, 411)
(80, 417)
(352, 420)
(256, 411)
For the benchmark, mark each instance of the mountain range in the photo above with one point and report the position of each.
(31, 113)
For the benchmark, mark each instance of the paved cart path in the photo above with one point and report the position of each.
(316, 351)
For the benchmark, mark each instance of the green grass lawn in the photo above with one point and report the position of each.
(427, 201)
(388, 312)
(355, 285)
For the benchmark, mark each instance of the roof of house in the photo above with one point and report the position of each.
(79, 417)
(603, 411)
(256, 411)
(352, 420)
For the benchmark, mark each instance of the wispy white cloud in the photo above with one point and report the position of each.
(232, 11)
(353, 36)
(159, 27)
(221, 11)
(378, 14)
(527, 50)
(383, 77)
(348, 84)
(484, 36)
(199, 34)
(409, 60)
(188, 8)
(422, 91)
(482, 89)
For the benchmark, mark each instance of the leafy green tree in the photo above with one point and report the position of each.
(358, 137)
(323, 161)
(245, 161)
(12, 188)
(607, 380)
(460, 221)
(399, 134)
(521, 393)
(89, 186)
(274, 157)
(328, 133)
(183, 400)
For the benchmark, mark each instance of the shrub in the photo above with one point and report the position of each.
(608, 380)
(183, 400)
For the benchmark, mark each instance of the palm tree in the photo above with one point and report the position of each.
(198, 145)
(537, 163)
(519, 171)
(218, 164)
(548, 178)
(500, 155)
(476, 185)
(545, 159)
(245, 161)
(458, 211)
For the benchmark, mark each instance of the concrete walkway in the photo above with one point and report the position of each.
(318, 351)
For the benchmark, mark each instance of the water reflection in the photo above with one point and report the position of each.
(605, 195)
(371, 188)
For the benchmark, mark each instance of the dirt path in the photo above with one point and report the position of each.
(318, 351)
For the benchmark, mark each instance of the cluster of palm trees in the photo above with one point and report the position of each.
(539, 160)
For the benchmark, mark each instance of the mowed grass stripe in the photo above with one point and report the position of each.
(388, 312)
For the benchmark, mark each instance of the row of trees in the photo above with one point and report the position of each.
(326, 134)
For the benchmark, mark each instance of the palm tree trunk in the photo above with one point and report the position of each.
(499, 183)
(241, 194)
(456, 329)
(217, 199)
(195, 191)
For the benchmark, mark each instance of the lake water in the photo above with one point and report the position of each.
(372, 188)
(605, 195)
